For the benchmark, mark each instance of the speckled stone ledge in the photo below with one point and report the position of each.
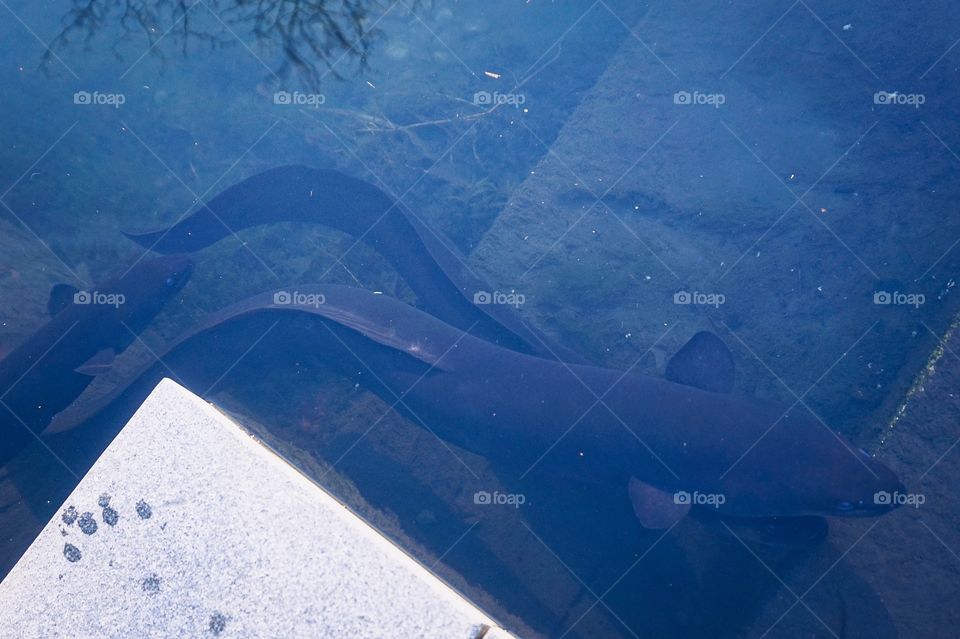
(187, 527)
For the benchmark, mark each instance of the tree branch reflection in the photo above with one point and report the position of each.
(311, 36)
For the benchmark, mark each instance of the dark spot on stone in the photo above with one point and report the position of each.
(217, 623)
(72, 553)
(87, 523)
(104, 500)
(144, 510)
(151, 584)
(70, 515)
(110, 516)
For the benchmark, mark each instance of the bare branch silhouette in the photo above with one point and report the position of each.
(312, 36)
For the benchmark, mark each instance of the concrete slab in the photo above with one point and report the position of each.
(187, 526)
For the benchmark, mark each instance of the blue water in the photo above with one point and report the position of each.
(789, 168)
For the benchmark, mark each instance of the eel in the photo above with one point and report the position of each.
(428, 262)
(51, 368)
(667, 444)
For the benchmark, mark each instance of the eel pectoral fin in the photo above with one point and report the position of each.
(704, 362)
(656, 509)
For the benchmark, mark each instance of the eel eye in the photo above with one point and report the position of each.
(845, 506)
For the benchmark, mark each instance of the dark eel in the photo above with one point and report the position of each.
(51, 368)
(429, 263)
(520, 410)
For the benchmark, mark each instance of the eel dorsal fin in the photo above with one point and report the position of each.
(704, 362)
